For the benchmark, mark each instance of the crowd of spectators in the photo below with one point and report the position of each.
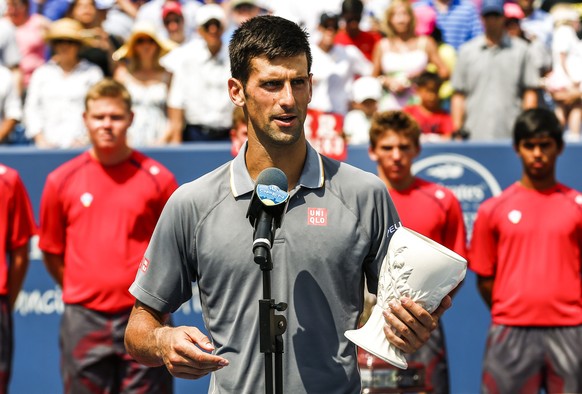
(489, 59)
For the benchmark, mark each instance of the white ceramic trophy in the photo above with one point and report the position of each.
(416, 267)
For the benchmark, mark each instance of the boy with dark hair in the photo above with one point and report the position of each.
(435, 123)
(525, 250)
(350, 32)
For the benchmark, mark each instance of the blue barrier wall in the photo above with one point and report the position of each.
(473, 171)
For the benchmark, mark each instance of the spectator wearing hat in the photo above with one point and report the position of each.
(199, 107)
(152, 11)
(174, 22)
(54, 103)
(494, 78)
(366, 92)
(335, 67)
(148, 83)
(434, 122)
(240, 11)
(351, 33)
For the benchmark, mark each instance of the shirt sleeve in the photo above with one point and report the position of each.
(176, 94)
(459, 77)
(483, 247)
(33, 114)
(455, 235)
(12, 104)
(382, 227)
(52, 220)
(22, 221)
(164, 279)
(10, 51)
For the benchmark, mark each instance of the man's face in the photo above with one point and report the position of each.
(352, 23)
(276, 96)
(238, 136)
(328, 32)
(429, 96)
(211, 32)
(107, 120)
(394, 154)
(174, 23)
(538, 157)
(244, 12)
(493, 24)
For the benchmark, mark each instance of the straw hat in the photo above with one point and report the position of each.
(142, 29)
(66, 29)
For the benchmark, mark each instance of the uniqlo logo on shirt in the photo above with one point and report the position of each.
(144, 264)
(317, 216)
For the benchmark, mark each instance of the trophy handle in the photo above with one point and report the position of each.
(371, 338)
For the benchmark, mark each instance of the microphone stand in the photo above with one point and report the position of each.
(271, 326)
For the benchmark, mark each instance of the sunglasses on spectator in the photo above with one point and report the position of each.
(176, 19)
(65, 41)
(143, 40)
(212, 22)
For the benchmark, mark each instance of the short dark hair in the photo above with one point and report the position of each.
(427, 77)
(352, 7)
(538, 122)
(266, 35)
(398, 121)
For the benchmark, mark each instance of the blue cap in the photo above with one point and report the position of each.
(492, 7)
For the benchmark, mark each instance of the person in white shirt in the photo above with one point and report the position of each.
(55, 100)
(199, 108)
(335, 67)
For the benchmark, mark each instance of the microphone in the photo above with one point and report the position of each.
(266, 209)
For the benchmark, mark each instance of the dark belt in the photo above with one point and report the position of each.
(197, 132)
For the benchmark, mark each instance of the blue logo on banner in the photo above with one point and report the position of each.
(470, 181)
(271, 195)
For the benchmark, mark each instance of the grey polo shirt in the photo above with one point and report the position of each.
(334, 234)
(493, 80)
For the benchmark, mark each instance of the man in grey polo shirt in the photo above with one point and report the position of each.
(334, 236)
(494, 78)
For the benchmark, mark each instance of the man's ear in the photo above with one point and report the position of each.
(236, 92)
(373, 156)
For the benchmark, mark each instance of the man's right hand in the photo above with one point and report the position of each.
(185, 352)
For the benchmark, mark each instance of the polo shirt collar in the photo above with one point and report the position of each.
(312, 175)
